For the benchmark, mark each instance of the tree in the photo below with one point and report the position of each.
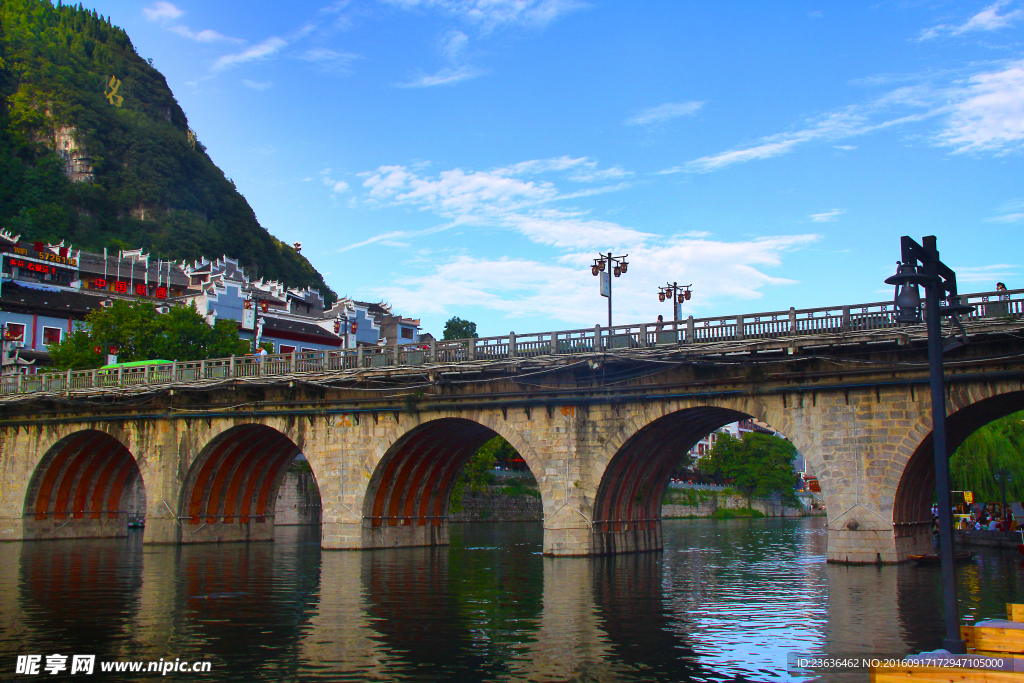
(758, 465)
(996, 447)
(457, 328)
(140, 333)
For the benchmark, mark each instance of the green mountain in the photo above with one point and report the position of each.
(95, 151)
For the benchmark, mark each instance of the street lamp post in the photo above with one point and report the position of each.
(1003, 477)
(677, 294)
(920, 265)
(606, 266)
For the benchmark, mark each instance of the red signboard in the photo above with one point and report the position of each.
(32, 267)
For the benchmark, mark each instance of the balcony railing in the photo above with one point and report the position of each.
(690, 332)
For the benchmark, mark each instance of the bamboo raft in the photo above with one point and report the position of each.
(992, 638)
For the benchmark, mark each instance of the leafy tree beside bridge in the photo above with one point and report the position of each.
(758, 465)
(996, 448)
(141, 333)
(457, 328)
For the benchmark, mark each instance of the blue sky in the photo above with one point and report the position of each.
(471, 157)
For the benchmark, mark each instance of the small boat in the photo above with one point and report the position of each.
(961, 556)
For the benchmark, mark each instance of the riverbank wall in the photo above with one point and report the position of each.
(298, 500)
(688, 503)
(496, 505)
(988, 539)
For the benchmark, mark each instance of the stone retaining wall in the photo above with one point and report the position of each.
(492, 506)
(708, 502)
(298, 500)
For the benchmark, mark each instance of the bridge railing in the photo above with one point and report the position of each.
(691, 331)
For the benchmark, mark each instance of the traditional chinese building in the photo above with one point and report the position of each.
(45, 289)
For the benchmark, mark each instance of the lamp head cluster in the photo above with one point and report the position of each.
(618, 265)
(672, 291)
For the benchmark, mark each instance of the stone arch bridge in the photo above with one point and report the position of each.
(600, 428)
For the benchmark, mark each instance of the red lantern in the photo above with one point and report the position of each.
(680, 298)
(113, 351)
(661, 296)
(687, 294)
(97, 349)
(264, 306)
(337, 327)
(248, 305)
(355, 326)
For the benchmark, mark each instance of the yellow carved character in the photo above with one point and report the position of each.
(110, 92)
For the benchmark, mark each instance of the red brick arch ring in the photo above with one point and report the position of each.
(237, 475)
(85, 475)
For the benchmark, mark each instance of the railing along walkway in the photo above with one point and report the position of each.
(692, 331)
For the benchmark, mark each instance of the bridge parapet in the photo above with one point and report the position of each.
(876, 319)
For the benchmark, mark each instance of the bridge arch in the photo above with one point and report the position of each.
(912, 519)
(627, 506)
(414, 473)
(231, 486)
(86, 485)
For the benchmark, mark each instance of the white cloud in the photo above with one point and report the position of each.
(565, 289)
(446, 76)
(256, 85)
(504, 198)
(846, 148)
(1008, 218)
(827, 216)
(336, 186)
(663, 112)
(988, 19)
(205, 36)
(162, 11)
(330, 60)
(267, 48)
(987, 274)
(489, 15)
(525, 198)
(988, 113)
(983, 112)
(453, 44)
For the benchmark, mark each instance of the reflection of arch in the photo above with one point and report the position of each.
(627, 510)
(87, 475)
(234, 481)
(912, 506)
(413, 481)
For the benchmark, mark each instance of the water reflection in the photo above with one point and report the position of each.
(725, 601)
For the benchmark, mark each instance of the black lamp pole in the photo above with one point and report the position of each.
(613, 265)
(676, 293)
(939, 283)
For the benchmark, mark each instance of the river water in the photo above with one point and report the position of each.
(725, 601)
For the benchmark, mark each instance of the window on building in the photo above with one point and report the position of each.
(284, 348)
(51, 335)
(406, 332)
(15, 332)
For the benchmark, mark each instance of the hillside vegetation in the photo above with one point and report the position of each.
(94, 150)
